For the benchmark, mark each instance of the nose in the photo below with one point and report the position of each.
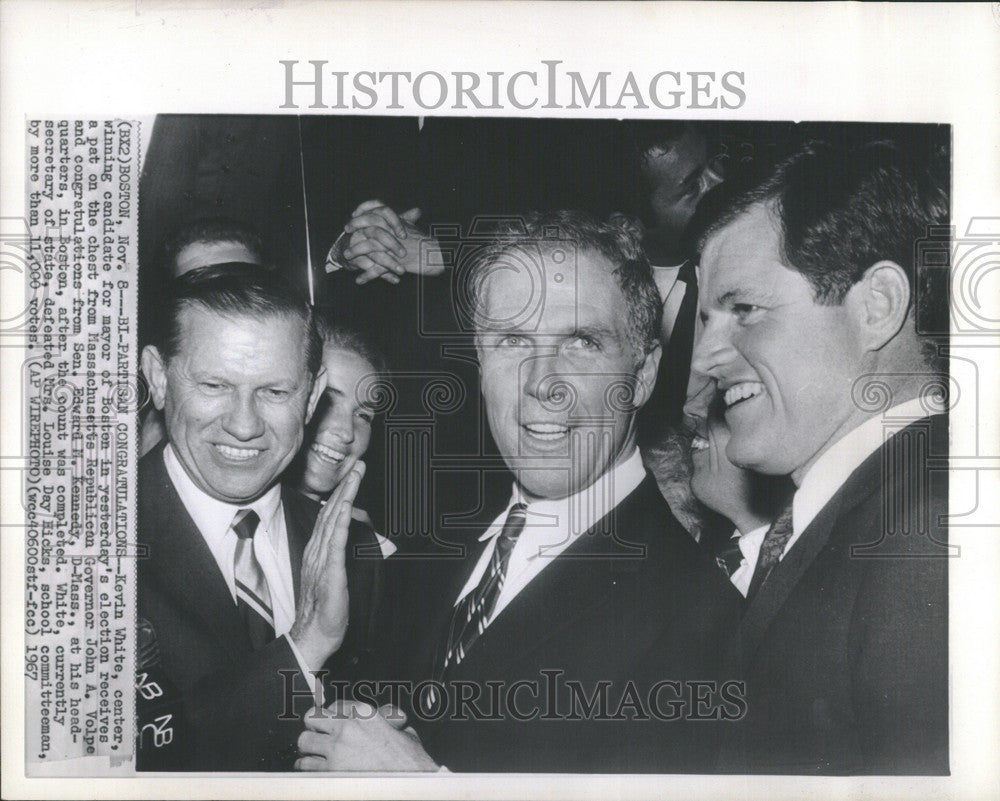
(338, 423)
(712, 348)
(242, 419)
(543, 382)
(710, 178)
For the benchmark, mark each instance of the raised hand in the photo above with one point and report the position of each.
(321, 619)
(383, 244)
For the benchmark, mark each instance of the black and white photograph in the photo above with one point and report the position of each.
(470, 420)
(550, 446)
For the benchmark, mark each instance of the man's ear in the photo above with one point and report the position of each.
(155, 369)
(646, 376)
(881, 303)
(318, 388)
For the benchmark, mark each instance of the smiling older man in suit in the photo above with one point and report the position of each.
(242, 596)
(582, 586)
(815, 320)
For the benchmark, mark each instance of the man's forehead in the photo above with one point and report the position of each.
(205, 322)
(742, 250)
(557, 282)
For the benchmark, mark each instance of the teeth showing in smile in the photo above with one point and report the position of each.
(547, 431)
(328, 454)
(238, 454)
(739, 392)
(699, 443)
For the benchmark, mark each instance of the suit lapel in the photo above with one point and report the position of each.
(785, 575)
(578, 580)
(866, 480)
(298, 528)
(440, 624)
(180, 560)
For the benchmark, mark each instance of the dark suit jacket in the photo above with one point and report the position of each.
(232, 696)
(641, 606)
(845, 647)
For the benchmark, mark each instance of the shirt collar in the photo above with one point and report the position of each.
(832, 469)
(582, 509)
(214, 517)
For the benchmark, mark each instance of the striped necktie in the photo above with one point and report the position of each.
(476, 608)
(771, 549)
(252, 597)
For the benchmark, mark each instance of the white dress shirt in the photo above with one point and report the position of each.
(551, 527)
(829, 473)
(214, 520)
(749, 547)
(671, 295)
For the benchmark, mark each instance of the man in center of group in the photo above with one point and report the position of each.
(583, 578)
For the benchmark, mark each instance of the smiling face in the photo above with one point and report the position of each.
(784, 364)
(236, 397)
(560, 379)
(343, 421)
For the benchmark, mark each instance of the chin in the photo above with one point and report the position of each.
(542, 484)
(316, 486)
(745, 455)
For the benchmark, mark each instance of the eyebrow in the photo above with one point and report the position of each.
(743, 294)
(594, 332)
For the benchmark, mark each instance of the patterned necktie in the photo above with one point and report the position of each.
(252, 597)
(771, 548)
(471, 615)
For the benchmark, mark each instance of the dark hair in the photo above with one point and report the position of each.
(843, 209)
(235, 289)
(213, 229)
(349, 339)
(648, 136)
(618, 240)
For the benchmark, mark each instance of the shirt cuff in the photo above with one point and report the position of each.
(307, 675)
(335, 255)
(387, 548)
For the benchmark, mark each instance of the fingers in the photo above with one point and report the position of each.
(317, 744)
(374, 212)
(328, 518)
(347, 489)
(371, 271)
(369, 238)
(411, 215)
(321, 720)
(394, 716)
(342, 524)
(377, 272)
(374, 255)
(311, 763)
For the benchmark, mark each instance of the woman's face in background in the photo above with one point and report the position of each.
(342, 423)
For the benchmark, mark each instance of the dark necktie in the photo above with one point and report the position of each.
(252, 597)
(771, 548)
(472, 614)
(677, 353)
(729, 557)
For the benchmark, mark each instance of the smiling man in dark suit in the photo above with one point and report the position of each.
(240, 599)
(582, 585)
(815, 315)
